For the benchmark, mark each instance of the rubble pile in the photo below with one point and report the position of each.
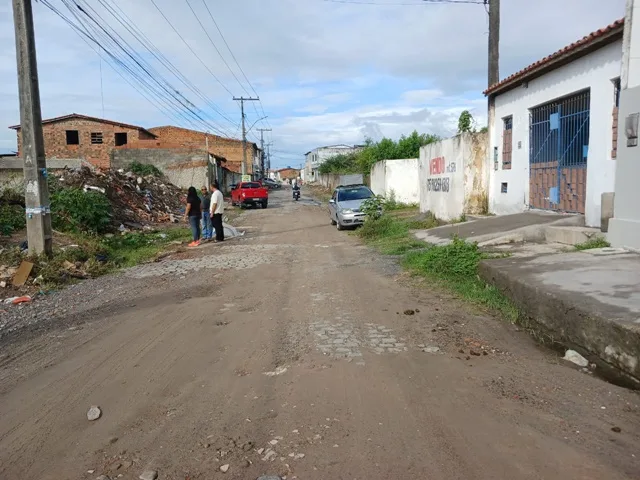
(134, 199)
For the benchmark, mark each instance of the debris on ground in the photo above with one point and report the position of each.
(148, 475)
(616, 429)
(409, 312)
(22, 274)
(17, 300)
(575, 358)
(224, 468)
(94, 413)
(135, 200)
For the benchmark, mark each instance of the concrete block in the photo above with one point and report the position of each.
(568, 235)
(606, 210)
(585, 302)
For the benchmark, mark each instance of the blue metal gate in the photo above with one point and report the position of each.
(558, 150)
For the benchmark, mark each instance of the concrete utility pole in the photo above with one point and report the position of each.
(262, 155)
(244, 132)
(38, 211)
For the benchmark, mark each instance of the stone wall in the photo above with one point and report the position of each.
(11, 175)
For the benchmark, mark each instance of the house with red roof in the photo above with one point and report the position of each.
(553, 141)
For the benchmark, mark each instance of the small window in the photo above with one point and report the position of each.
(121, 139)
(73, 138)
(507, 142)
(503, 187)
(96, 138)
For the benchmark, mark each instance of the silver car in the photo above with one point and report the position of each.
(345, 205)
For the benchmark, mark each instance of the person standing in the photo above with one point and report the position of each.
(217, 209)
(206, 215)
(193, 213)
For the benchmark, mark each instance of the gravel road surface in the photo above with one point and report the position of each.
(293, 351)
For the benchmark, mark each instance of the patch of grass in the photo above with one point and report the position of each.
(597, 242)
(12, 218)
(92, 256)
(453, 266)
(74, 210)
(136, 247)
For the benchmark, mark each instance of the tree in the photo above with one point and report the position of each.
(465, 122)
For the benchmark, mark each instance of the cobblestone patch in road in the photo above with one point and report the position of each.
(382, 340)
(338, 340)
(229, 258)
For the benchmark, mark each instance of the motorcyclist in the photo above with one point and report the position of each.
(296, 188)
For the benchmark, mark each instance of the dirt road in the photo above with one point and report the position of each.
(289, 353)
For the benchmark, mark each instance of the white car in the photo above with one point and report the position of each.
(345, 206)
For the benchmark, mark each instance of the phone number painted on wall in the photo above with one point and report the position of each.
(438, 184)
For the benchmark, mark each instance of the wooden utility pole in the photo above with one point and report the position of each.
(494, 41)
(244, 132)
(493, 74)
(38, 211)
(262, 154)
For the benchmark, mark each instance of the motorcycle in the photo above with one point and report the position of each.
(296, 194)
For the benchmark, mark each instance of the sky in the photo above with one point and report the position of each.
(326, 72)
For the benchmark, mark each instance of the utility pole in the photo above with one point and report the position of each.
(493, 73)
(38, 210)
(244, 132)
(262, 155)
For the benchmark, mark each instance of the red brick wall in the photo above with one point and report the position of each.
(231, 149)
(55, 140)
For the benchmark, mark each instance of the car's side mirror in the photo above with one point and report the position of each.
(332, 201)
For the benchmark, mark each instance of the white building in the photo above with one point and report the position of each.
(318, 156)
(624, 228)
(552, 143)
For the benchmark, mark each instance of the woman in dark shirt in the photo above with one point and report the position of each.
(193, 212)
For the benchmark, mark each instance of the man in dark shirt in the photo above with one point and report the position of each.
(207, 227)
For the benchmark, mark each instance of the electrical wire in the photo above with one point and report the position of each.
(126, 61)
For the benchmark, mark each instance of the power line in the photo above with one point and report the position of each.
(236, 62)
(167, 98)
(422, 3)
(215, 46)
(191, 49)
(125, 21)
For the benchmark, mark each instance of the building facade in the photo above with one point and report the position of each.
(624, 227)
(553, 142)
(88, 138)
(318, 156)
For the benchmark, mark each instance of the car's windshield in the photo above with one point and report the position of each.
(355, 193)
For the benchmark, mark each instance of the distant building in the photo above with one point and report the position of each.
(288, 173)
(318, 156)
(92, 139)
(553, 144)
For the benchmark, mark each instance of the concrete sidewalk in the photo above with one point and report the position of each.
(588, 301)
(520, 227)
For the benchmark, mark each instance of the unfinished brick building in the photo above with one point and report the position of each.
(89, 138)
(229, 148)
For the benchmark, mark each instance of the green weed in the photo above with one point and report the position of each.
(597, 242)
(144, 169)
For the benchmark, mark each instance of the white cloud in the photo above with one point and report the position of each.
(326, 72)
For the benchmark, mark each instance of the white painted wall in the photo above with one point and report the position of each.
(624, 227)
(595, 71)
(318, 156)
(452, 176)
(397, 178)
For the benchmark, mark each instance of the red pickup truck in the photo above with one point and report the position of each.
(250, 194)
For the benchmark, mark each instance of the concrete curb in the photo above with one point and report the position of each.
(612, 346)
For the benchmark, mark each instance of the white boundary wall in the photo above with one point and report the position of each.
(397, 178)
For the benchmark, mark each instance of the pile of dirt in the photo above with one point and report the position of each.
(134, 199)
